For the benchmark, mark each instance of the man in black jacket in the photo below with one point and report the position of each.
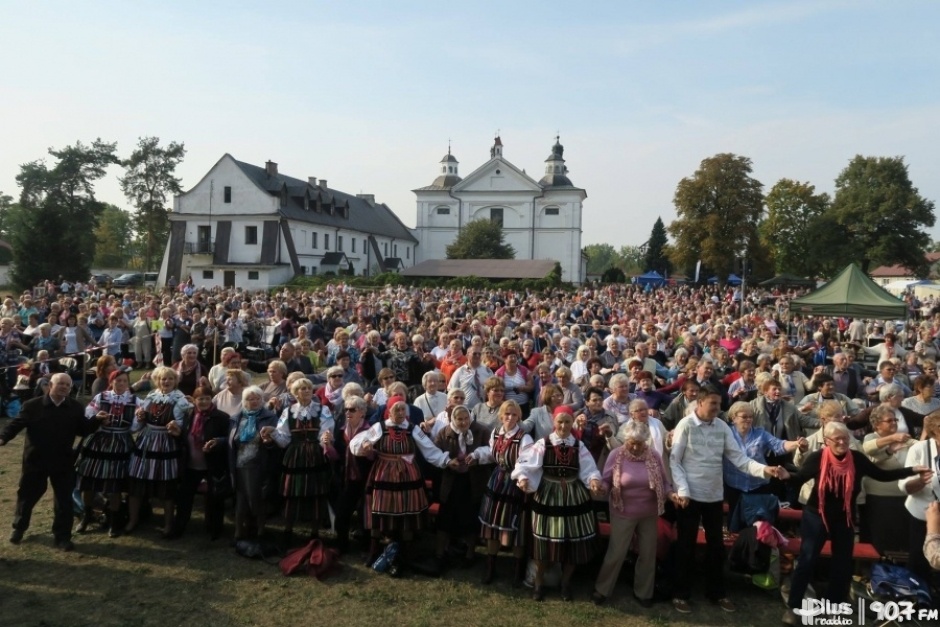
(52, 423)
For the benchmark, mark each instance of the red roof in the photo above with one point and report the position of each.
(899, 270)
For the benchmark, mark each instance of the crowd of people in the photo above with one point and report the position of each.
(525, 421)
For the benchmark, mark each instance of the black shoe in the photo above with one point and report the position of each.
(16, 537)
(538, 594)
(83, 525)
(647, 603)
(566, 593)
(597, 598)
(64, 545)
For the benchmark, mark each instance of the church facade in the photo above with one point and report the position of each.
(540, 219)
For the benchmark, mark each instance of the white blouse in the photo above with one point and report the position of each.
(431, 453)
(529, 465)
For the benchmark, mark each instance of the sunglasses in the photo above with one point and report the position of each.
(351, 408)
(336, 376)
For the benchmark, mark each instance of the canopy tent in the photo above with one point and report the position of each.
(787, 279)
(898, 287)
(732, 279)
(851, 293)
(651, 278)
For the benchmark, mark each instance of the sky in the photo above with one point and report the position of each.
(368, 94)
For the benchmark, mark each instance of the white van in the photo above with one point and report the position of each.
(150, 279)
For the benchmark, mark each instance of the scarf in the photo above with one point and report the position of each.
(653, 469)
(836, 476)
(199, 426)
(333, 395)
(250, 431)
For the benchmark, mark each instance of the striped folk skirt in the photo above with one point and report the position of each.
(395, 496)
(503, 508)
(305, 480)
(563, 525)
(104, 461)
(155, 463)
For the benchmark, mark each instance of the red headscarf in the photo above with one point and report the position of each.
(394, 400)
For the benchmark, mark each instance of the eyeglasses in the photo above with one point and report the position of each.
(839, 440)
(890, 420)
(336, 376)
(348, 409)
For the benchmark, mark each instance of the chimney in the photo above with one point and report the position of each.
(369, 198)
(312, 181)
(323, 183)
(271, 168)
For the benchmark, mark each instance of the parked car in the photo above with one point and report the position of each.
(101, 279)
(150, 279)
(128, 280)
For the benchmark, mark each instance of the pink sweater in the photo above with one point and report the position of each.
(639, 499)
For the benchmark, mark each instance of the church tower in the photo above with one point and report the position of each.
(556, 172)
(497, 149)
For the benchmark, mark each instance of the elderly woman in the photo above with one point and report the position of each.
(229, 399)
(921, 491)
(640, 412)
(757, 443)
(206, 459)
(618, 403)
(190, 371)
(433, 401)
(432, 426)
(331, 394)
(572, 395)
(579, 367)
(828, 411)
(305, 432)
(639, 487)
(540, 422)
(891, 395)
(502, 509)
(487, 412)
(559, 472)
(277, 380)
(837, 472)
(104, 455)
(350, 472)
(923, 402)
(251, 435)
(141, 342)
(884, 502)
(396, 500)
(517, 380)
(155, 461)
(229, 359)
(461, 487)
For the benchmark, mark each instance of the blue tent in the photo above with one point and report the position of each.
(651, 278)
(732, 279)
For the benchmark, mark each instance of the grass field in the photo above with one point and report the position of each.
(142, 580)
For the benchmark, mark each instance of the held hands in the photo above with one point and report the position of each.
(173, 429)
(597, 487)
(140, 414)
(523, 484)
(802, 444)
(267, 434)
(925, 473)
(672, 496)
(580, 421)
(365, 448)
(102, 416)
(682, 501)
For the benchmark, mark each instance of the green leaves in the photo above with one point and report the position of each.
(480, 239)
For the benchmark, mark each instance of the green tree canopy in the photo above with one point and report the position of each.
(149, 183)
(881, 213)
(480, 239)
(656, 249)
(51, 229)
(6, 205)
(114, 244)
(790, 230)
(718, 210)
(600, 257)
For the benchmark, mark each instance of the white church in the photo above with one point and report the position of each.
(540, 219)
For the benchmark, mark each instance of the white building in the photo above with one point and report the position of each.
(540, 219)
(250, 226)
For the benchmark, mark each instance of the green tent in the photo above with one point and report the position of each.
(853, 294)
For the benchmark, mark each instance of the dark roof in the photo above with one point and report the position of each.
(376, 219)
(555, 180)
(444, 181)
(394, 262)
(334, 259)
(449, 158)
(483, 268)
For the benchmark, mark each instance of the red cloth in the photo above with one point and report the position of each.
(314, 558)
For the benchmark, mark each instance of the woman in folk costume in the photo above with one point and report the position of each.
(396, 500)
(502, 511)
(155, 461)
(828, 515)
(349, 476)
(560, 471)
(305, 432)
(461, 487)
(104, 456)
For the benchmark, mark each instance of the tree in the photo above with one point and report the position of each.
(113, 237)
(791, 228)
(656, 248)
(631, 259)
(480, 239)
(148, 182)
(6, 205)
(52, 228)
(718, 210)
(882, 214)
(600, 257)
(613, 275)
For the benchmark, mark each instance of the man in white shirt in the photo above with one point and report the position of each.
(470, 377)
(699, 444)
